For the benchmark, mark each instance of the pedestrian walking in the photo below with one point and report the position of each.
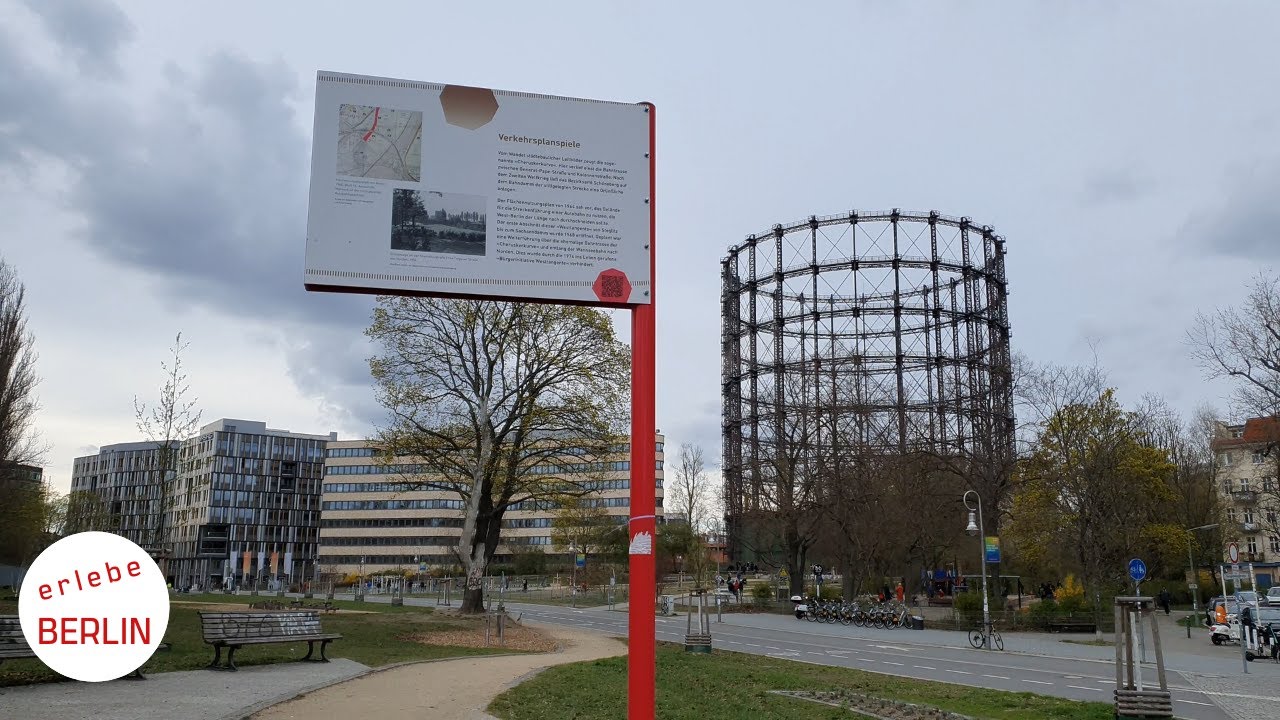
(1164, 599)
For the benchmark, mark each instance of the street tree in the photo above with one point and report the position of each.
(582, 525)
(485, 396)
(690, 491)
(1090, 485)
(19, 442)
(171, 420)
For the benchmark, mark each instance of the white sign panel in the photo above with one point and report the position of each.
(452, 190)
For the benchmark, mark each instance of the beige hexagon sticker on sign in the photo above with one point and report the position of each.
(468, 107)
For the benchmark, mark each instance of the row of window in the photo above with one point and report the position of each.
(387, 559)
(399, 487)
(419, 469)
(1259, 457)
(439, 504)
(1247, 516)
(1251, 544)
(449, 522)
(353, 452)
(373, 452)
(389, 540)
(432, 504)
(1268, 485)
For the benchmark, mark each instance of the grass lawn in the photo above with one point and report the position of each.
(377, 637)
(727, 685)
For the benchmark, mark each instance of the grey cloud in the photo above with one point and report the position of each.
(1113, 186)
(202, 186)
(91, 31)
(1247, 225)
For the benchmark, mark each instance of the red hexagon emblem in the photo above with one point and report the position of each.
(612, 286)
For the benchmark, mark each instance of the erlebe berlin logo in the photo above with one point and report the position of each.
(94, 606)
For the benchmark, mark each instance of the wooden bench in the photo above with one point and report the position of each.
(233, 630)
(328, 605)
(1071, 625)
(13, 644)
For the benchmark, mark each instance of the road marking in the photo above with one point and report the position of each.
(959, 672)
(751, 645)
(1073, 677)
(886, 662)
(1107, 682)
(923, 667)
(1038, 682)
(733, 642)
(1084, 687)
(817, 653)
(891, 647)
(998, 677)
(1194, 702)
(866, 659)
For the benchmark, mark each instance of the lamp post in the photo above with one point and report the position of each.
(1195, 580)
(977, 529)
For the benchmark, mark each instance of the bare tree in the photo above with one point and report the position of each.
(173, 419)
(1243, 344)
(485, 396)
(690, 491)
(19, 442)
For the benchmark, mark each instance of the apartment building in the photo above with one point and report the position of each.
(373, 520)
(18, 472)
(244, 505)
(1247, 458)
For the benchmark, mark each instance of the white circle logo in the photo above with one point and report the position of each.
(94, 606)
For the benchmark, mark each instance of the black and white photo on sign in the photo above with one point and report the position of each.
(438, 222)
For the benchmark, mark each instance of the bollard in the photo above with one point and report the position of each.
(719, 610)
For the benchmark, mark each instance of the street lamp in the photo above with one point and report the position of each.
(1195, 581)
(976, 529)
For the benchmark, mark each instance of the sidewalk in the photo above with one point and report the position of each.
(458, 689)
(187, 694)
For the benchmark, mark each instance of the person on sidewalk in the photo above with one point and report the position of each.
(1164, 599)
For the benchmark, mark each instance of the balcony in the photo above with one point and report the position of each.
(1249, 527)
(1245, 496)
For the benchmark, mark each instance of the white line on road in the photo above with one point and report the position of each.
(866, 659)
(923, 667)
(1194, 702)
(886, 662)
(998, 677)
(959, 672)
(1038, 682)
(1084, 687)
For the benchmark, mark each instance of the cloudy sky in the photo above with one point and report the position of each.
(154, 161)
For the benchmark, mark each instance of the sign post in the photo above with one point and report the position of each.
(1138, 572)
(462, 192)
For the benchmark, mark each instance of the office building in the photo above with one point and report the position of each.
(243, 507)
(373, 519)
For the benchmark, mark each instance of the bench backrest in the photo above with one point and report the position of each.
(12, 643)
(226, 626)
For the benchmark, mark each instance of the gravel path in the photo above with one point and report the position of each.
(458, 689)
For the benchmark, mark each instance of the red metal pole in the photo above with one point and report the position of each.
(641, 667)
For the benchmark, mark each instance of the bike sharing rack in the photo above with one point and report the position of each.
(699, 641)
(1132, 699)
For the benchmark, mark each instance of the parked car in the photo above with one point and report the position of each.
(1247, 596)
(1273, 596)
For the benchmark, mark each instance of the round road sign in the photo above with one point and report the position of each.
(1137, 569)
(1233, 552)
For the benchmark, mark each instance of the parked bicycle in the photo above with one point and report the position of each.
(978, 637)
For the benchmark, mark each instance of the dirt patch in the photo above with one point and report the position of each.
(516, 637)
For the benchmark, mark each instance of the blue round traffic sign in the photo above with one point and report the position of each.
(1137, 569)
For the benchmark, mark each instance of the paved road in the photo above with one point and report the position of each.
(1031, 663)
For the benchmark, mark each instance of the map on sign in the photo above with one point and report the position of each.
(379, 142)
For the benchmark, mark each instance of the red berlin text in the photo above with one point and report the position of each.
(95, 631)
(93, 579)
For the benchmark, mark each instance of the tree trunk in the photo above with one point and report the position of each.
(472, 601)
